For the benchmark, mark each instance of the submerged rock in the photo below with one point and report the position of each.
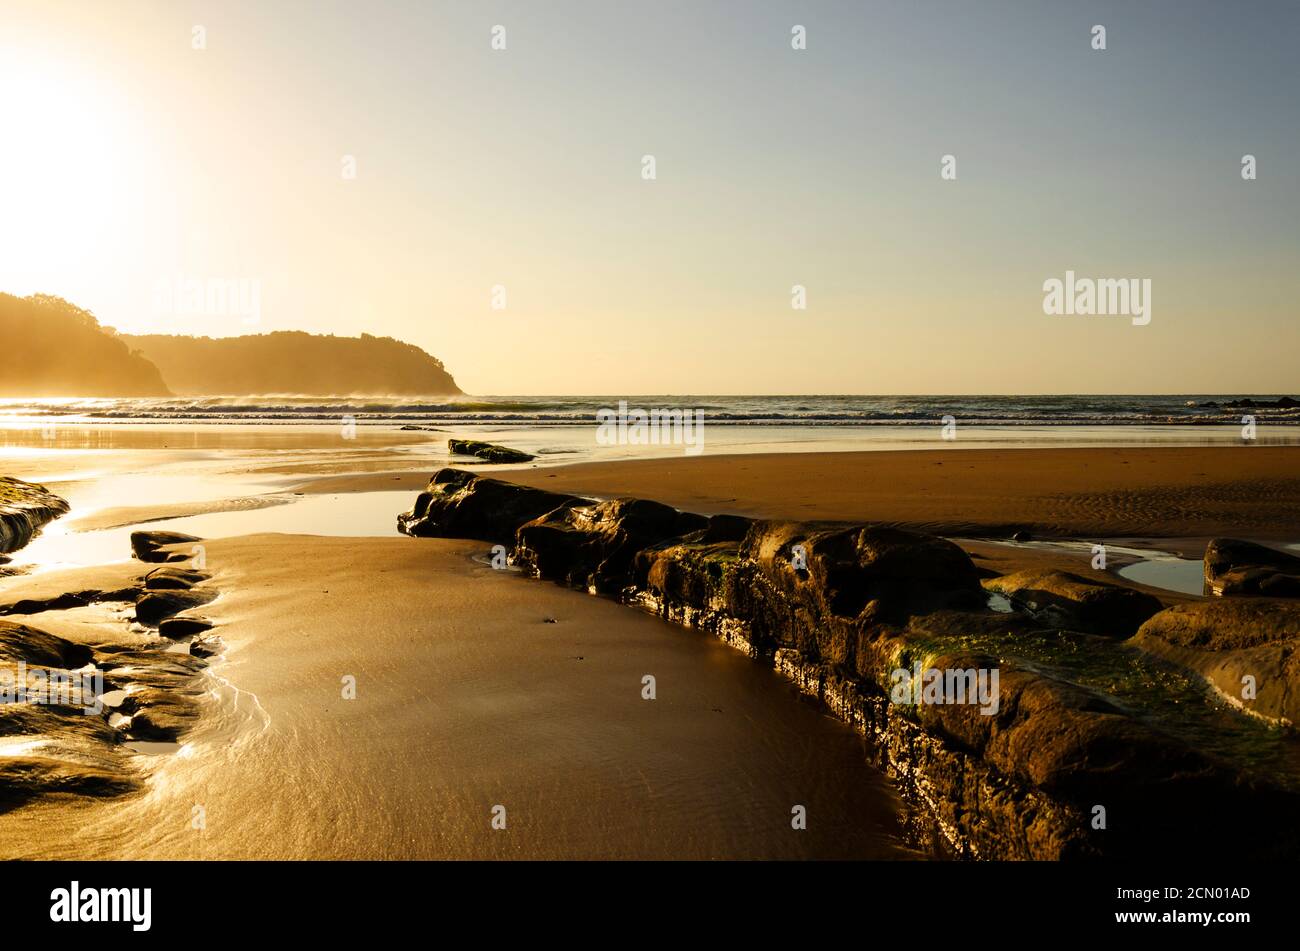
(148, 546)
(55, 733)
(488, 452)
(59, 734)
(1065, 599)
(50, 767)
(33, 647)
(206, 646)
(1239, 567)
(183, 626)
(154, 606)
(159, 715)
(173, 578)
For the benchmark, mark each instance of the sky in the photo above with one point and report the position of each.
(380, 168)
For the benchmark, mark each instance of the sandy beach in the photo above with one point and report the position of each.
(477, 688)
(474, 688)
(1069, 493)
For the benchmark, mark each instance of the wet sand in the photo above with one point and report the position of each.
(1174, 492)
(467, 698)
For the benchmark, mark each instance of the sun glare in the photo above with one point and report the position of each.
(63, 167)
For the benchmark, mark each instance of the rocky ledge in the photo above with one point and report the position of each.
(24, 508)
(1091, 743)
(1096, 743)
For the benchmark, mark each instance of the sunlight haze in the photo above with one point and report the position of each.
(132, 158)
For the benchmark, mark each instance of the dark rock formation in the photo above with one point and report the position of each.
(459, 504)
(24, 508)
(68, 733)
(33, 647)
(843, 609)
(1063, 599)
(154, 606)
(148, 546)
(1286, 402)
(488, 452)
(67, 599)
(176, 579)
(1237, 567)
(183, 626)
(159, 715)
(592, 545)
(1226, 625)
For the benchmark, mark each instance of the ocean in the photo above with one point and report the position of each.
(537, 411)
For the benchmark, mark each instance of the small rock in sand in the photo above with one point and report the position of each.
(147, 546)
(153, 606)
(183, 626)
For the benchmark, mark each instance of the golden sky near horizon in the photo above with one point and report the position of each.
(136, 165)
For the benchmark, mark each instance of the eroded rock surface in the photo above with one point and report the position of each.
(24, 508)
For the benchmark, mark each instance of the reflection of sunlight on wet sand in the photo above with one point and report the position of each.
(231, 723)
(359, 514)
(46, 435)
(20, 746)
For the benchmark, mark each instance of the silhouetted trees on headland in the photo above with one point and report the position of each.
(290, 361)
(50, 347)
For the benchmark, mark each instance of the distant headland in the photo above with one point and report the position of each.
(55, 348)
